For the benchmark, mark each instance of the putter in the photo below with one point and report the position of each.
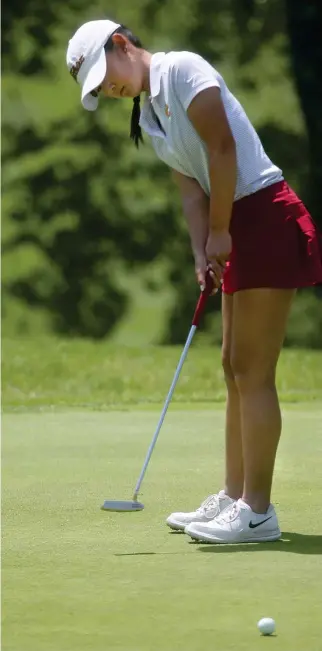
(133, 504)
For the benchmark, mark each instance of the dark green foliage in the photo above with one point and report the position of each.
(81, 207)
(305, 28)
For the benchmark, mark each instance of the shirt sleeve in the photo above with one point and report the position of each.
(190, 75)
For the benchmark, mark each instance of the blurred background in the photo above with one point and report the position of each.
(94, 244)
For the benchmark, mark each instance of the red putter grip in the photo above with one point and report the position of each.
(203, 299)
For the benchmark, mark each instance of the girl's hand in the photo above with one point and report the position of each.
(201, 266)
(218, 249)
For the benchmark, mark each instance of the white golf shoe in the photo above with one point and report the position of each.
(209, 509)
(237, 524)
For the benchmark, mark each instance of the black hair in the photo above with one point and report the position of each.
(136, 131)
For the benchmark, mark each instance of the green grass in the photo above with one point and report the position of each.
(78, 579)
(47, 372)
(79, 417)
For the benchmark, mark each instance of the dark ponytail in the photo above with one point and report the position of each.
(136, 131)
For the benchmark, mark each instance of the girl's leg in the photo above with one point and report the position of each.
(234, 459)
(258, 330)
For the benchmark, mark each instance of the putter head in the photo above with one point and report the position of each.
(122, 506)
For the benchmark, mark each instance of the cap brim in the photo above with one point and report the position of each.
(93, 79)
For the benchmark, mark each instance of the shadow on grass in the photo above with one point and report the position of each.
(294, 543)
(152, 553)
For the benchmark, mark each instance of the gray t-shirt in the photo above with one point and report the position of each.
(175, 79)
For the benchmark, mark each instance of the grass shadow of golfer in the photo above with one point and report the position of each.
(152, 553)
(293, 543)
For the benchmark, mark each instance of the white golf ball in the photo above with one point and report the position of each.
(266, 625)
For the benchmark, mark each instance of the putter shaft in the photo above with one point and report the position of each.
(164, 411)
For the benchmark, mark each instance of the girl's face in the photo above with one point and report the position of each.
(124, 74)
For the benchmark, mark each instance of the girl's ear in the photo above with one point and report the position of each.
(120, 41)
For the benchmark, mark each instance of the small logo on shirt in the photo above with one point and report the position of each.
(167, 111)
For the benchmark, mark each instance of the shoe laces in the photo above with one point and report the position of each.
(209, 503)
(229, 513)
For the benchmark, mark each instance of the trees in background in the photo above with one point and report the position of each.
(81, 206)
(304, 22)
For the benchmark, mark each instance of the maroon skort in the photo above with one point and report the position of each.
(275, 242)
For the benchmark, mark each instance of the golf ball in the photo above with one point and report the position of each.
(266, 625)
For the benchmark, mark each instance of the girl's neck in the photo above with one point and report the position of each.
(146, 62)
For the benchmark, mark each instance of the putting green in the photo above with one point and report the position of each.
(76, 578)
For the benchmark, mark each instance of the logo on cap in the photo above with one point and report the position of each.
(76, 67)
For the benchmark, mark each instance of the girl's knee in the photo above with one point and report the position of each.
(226, 364)
(250, 375)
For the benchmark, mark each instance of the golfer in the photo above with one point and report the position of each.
(245, 221)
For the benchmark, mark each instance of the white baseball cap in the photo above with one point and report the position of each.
(86, 59)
